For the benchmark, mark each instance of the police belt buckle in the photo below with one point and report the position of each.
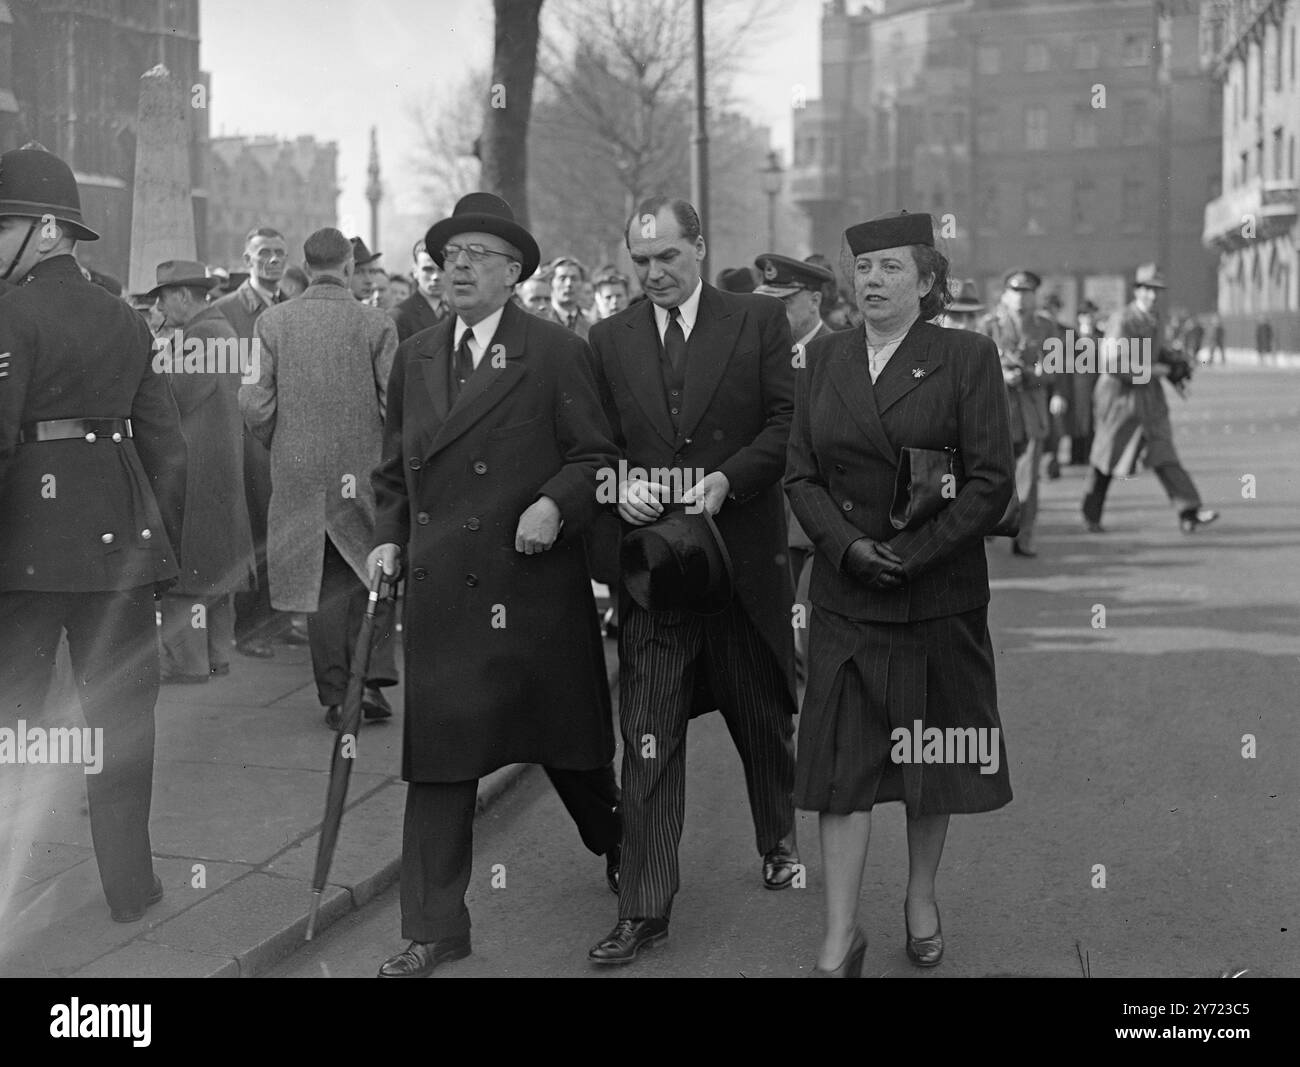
(74, 429)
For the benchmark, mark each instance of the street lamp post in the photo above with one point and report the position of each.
(773, 179)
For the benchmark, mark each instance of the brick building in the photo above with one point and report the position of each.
(1078, 139)
(70, 79)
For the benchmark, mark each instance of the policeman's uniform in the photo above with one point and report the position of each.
(783, 277)
(92, 482)
(1020, 345)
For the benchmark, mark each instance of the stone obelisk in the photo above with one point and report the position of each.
(162, 206)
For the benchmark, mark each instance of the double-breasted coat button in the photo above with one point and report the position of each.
(480, 467)
(422, 518)
(419, 574)
(106, 538)
(847, 505)
(472, 524)
(146, 534)
(471, 580)
(117, 438)
(91, 438)
(415, 463)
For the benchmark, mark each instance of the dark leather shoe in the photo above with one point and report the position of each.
(1194, 520)
(334, 716)
(613, 860)
(155, 895)
(255, 647)
(1093, 527)
(419, 958)
(925, 951)
(627, 938)
(1053, 469)
(778, 867)
(851, 965)
(375, 706)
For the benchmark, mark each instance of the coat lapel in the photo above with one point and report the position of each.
(639, 357)
(434, 356)
(851, 375)
(710, 348)
(489, 383)
(907, 368)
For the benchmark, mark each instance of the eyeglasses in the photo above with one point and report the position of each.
(477, 253)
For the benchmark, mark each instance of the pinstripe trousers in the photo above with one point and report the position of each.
(658, 655)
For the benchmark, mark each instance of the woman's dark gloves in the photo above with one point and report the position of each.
(874, 564)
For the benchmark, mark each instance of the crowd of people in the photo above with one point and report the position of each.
(847, 451)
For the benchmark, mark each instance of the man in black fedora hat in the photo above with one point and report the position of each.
(493, 446)
(365, 271)
(92, 485)
(700, 382)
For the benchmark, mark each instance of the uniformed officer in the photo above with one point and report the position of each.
(1020, 334)
(92, 483)
(800, 286)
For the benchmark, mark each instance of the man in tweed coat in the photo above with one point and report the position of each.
(319, 407)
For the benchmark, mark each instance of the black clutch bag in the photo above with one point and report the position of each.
(927, 479)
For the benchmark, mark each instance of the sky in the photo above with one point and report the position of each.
(334, 68)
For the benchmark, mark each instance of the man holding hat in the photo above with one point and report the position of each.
(801, 286)
(203, 350)
(699, 382)
(92, 483)
(1132, 415)
(493, 446)
(1020, 335)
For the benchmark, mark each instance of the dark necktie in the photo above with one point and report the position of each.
(462, 365)
(675, 340)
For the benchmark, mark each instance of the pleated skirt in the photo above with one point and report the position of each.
(901, 711)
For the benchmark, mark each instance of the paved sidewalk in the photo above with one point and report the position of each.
(240, 774)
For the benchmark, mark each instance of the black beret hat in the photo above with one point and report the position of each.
(891, 231)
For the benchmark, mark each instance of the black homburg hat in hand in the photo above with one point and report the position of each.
(678, 563)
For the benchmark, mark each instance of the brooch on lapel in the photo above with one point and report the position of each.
(917, 372)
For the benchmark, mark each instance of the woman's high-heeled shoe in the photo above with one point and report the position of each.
(851, 966)
(924, 951)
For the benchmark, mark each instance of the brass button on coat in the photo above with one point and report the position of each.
(422, 518)
(480, 467)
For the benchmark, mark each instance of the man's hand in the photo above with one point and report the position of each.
(874, 564)
(1058, 405)
(639, 501)
(712, 490)
(538, 528)
(388, 556)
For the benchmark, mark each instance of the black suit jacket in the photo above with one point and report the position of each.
(941, 388)
(735, 418)
(414, 314)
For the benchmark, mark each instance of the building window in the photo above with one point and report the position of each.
(1036, 56)
(1277, 152)
(1035, 209)
(1085, 205)
(1087, 56)
(988, 218)
(1290, 157)
(1276, 34)
(1137, 50)
(986, 129)
(1245, 169)
(1134, 121)
(1085, 126)
(1036, 126)
(1133, 206)
(989, 59)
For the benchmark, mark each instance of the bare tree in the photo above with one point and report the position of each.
(504, 145)
(447, 131)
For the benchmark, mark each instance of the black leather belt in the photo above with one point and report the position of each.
(74, 429)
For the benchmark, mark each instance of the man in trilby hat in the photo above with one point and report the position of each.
(92, 486)
(1132, 414)
(494, 446)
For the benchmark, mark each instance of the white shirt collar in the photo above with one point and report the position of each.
(806, 338)
(268, 297)
(483, 333)
(688, 309)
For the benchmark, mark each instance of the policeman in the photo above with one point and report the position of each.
(92, 481)
(1020, 335)
(800, 286)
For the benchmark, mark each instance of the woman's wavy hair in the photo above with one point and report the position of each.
(929, 261)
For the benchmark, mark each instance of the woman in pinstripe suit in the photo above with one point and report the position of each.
(899, 644)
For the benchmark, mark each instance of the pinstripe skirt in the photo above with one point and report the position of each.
(901, 711)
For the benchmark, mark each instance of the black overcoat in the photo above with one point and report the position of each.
(504, 659)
